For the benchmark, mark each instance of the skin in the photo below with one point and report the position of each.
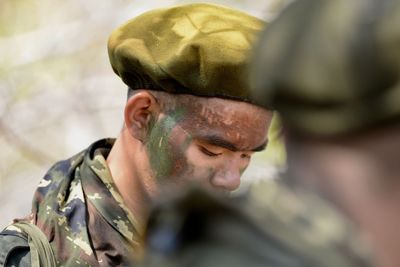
(171, 142)
(360, 174)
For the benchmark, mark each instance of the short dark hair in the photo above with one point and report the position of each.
(167, 101)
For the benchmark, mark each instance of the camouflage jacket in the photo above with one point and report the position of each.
(78, 208)
(271, 226)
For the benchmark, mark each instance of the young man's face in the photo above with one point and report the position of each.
(209, 141)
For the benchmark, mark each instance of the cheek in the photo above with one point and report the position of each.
(165, 148)
(158, 152)
(179, 142)
(244, 165)
(201, 168)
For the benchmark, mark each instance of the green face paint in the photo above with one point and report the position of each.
(166, 147)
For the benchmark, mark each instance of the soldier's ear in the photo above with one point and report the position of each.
(141, 111)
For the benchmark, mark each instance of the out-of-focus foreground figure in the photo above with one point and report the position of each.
(271, 226)
(332, 69)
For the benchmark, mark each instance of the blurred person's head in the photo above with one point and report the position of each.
(332, 70)
(189, 114)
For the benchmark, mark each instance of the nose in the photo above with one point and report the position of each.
(227, 178)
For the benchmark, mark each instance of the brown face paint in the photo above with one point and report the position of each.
(179, 142)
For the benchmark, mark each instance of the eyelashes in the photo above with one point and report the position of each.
(208, 152)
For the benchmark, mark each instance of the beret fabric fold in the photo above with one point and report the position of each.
(198, 49)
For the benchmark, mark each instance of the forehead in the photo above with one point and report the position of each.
(240, 123)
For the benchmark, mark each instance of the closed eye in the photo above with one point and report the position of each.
(208, 152)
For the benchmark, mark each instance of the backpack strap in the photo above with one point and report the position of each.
(42, 254)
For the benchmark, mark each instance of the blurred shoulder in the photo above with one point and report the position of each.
(305, 225)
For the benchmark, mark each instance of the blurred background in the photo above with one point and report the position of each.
(58, 93)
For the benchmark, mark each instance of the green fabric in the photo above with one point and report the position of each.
(82, 214)
(14, 248)
(271, 226)
(331, 67)
(199, 49)
(41, 252)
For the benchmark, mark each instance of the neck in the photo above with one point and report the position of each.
(127, 163)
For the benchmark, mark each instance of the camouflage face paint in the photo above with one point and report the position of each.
(208, 141)
(165, 148)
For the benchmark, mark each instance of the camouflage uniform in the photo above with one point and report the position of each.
(271, 226)
(82, 214)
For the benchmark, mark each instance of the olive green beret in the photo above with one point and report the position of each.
(331, 66)
(198, 49)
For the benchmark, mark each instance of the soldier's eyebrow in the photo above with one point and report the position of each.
(218, 141)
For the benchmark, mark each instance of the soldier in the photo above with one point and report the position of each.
(332, 70)
(189, 117)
